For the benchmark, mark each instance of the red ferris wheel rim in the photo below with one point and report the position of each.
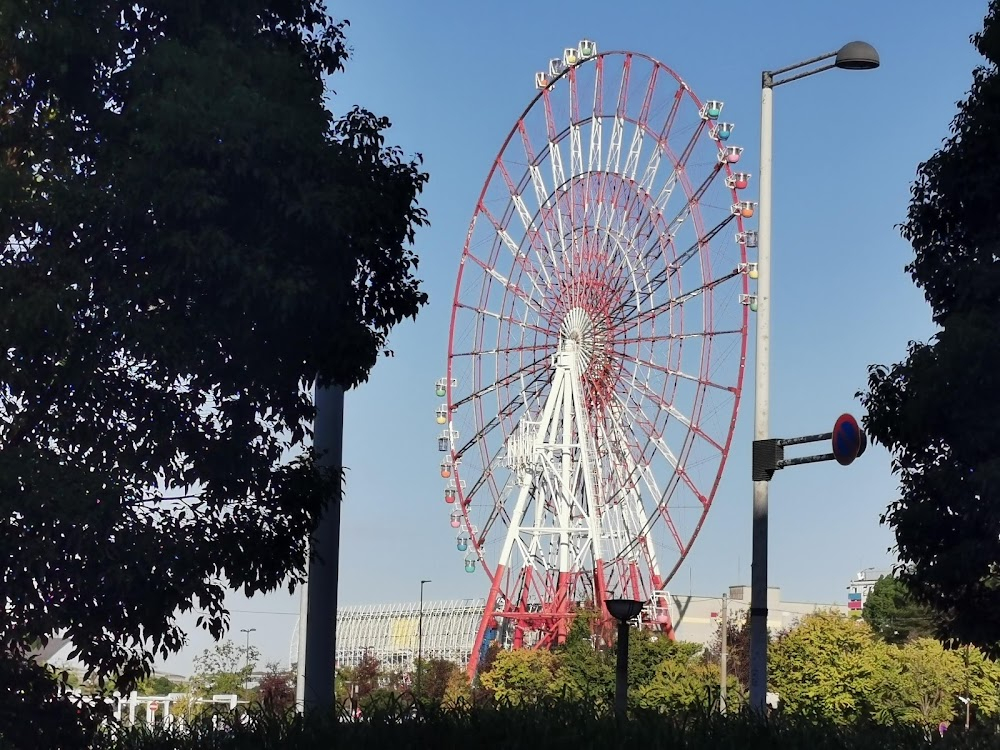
(481, 210)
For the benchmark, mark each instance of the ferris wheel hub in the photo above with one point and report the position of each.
(586, 337)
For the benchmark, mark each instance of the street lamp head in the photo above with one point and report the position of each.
(857, 56)
(624, 609)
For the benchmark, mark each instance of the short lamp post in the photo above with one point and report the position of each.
(623, 610)
(852, 56)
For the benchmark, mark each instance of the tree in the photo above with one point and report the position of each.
(435, 676)
(522, 676)
(276, 690)
(830, 667)
(366, 675)
(192, 241)
(584, 671)
(647, 651)
(680, 685)
(893, 614)
(930, 677)
(937, 411)
(458, 691)
(157, 685)
(224, 669)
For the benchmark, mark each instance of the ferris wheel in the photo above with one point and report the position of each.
(597, 345)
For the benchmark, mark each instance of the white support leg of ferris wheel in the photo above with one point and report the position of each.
(549, 466)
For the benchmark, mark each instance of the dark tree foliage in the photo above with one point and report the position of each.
(938, 411)
(892, 612)
(191, 241)
(588, 670)
(33, 713)
(276, 690)
(435, 675)
(366, 674)
(647, 650)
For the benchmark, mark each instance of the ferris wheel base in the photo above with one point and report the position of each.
(536, 630)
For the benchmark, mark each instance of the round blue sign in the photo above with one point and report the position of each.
(847, 439)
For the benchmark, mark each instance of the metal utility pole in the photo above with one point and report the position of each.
(852, 56)
(420, 636)
(248, 631)
(724, 656)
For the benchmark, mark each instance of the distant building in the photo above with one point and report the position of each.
(391, 632)
(861, 586)
(696, 618)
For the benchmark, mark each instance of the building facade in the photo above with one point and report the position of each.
(862, 585)
(696, 618)
(395, 633)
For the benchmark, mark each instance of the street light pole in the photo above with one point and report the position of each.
(248, 631)
(852, 56)
(420, 635)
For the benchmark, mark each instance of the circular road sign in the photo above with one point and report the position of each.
(153, 705)
(847, 439)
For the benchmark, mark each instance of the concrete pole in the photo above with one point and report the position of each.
(320, 651)
(761, 417)
(724, 657)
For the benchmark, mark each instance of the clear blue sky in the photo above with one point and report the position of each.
(453, 76)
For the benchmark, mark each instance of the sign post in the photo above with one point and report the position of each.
(847, 440)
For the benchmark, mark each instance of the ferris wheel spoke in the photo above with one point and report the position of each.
(651, 313)
(635, 149)
(542, 193)
(506, 349)
(673, 531)
(638, 419)
(564, 223)
(508, 410)
(629, 340)
(655, 437)
(575, 136)
(531, 367)
(692, 200)
(597, 117)
(506, 284)
(653, 166)
(496, 316)
(677, 373)
(534, 234)
(700, 242)
(520, 258)
(618, 128)
(676, 414)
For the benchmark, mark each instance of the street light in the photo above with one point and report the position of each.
(622, 610)
(248, 631)
(852, 56)
(420, 635)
